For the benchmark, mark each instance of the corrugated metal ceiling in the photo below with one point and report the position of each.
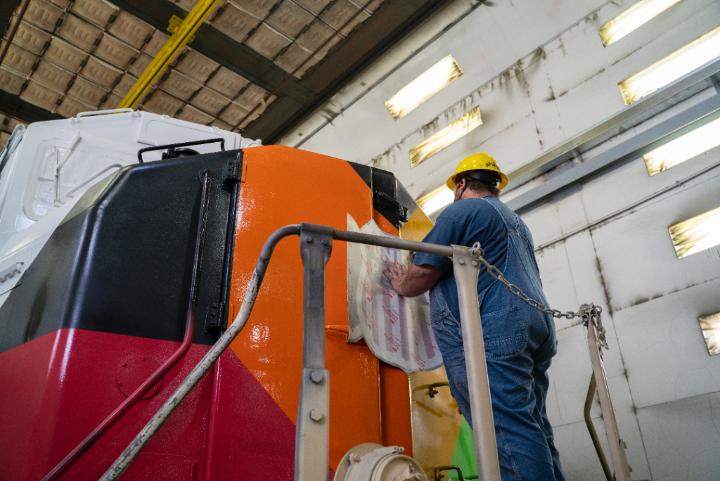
(69, 56)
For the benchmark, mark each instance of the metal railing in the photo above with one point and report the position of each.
(312, 439)
(312, 433)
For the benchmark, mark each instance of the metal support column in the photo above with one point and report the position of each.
(466, 270)
(312, 444)
(621, 468)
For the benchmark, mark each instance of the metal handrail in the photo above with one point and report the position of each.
(312, 438)
(466, 271)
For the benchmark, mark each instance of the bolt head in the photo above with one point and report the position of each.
(317, 377)
(461, 262)
(309, 240)
(316, 415)
(475, 263)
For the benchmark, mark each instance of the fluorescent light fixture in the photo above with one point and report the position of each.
(423, 87)
(633, 18)
(691, 56)
(710, 326)
(456, 130)
(696, 234)
(683, 148)
(435, 200)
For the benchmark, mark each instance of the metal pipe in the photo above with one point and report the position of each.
(466, 270)
(136, 445)
(136, 395)
(383, 241)
(591, 428)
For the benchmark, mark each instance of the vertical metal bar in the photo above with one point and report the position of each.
(621, 468)
(592, 387)
(312, 443)
(466, 271)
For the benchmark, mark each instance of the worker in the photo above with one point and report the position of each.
(519, 340)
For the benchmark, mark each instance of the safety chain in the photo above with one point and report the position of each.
(591, 317)
(588, 313)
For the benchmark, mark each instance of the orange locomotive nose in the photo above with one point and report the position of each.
(369, 400)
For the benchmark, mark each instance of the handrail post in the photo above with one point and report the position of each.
(621, 468)
(312, 443)
(466, 270)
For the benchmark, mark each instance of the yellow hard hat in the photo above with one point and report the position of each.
(478, 161)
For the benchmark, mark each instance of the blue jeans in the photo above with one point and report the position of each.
(519, 344)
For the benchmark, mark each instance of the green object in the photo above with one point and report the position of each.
(464, 455)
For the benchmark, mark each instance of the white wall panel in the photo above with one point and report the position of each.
(683, 439)
(663, 347)
(636, 252)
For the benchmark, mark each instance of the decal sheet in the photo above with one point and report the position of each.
(395, 328)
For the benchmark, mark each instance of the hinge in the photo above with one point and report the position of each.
(233, 170)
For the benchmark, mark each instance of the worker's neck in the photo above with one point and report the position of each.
(476, 194)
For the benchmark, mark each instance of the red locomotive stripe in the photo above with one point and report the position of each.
(60, 385)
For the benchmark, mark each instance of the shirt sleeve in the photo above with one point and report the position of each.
(445, 232)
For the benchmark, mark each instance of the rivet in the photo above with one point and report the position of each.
(316, 415)
(461, 262)
(317, 377)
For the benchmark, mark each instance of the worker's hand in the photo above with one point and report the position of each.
(395, 274)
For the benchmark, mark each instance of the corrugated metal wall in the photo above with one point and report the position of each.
(540, 75)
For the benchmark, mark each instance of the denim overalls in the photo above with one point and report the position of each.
(519, 344)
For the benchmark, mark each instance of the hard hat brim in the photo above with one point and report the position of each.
(503, 180)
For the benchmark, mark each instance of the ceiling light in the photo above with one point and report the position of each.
(633, 18)
(672, 67)
(423, 87)
(696, 234)
(456, 130)
(710, 326)
(435, 200)
(683, 148)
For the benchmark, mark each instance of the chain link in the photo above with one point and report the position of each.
(588, 313)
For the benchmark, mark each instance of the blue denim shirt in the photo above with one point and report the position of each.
(506, 242)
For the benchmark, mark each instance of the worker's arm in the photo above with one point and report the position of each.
(413, 281)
